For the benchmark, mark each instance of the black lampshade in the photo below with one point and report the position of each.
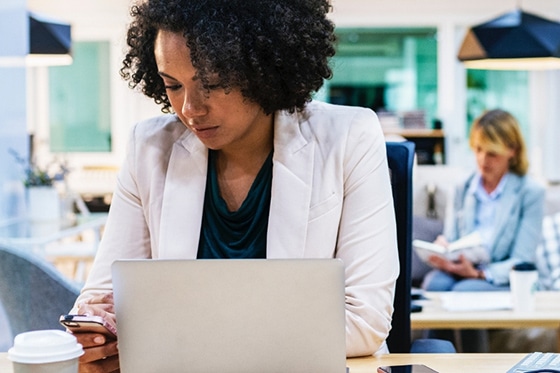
(513, 36)
(48, 37)
(49, 44)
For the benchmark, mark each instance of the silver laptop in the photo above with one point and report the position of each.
(254, 315)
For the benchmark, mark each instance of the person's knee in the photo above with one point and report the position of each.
(472, 284)
(437, 286)
(468, 285)
(438, 281)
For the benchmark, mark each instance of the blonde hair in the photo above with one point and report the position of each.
(497, 130)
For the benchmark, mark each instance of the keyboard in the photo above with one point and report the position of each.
(545, 362)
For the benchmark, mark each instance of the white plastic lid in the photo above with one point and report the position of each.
(44, 346)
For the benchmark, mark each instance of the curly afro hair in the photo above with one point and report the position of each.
(276, 52)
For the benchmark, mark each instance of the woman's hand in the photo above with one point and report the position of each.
(100, 352)
(442, 241)
(463, 267)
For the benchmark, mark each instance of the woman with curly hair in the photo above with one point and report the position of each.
(244, 164)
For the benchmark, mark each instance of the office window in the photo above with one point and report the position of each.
(389, 70)
(497, 89)
(79, 104)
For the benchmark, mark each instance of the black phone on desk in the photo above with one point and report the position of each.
(414, 307)
(88, 324)
(412, 368)
(417, 294)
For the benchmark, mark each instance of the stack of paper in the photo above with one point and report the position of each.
(476, 301)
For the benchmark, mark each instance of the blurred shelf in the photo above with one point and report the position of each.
(430, 144)
(416, 133)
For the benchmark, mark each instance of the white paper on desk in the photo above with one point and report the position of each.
(476, 301)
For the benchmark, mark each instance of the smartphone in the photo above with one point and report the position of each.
(413, 368)
(87, 324)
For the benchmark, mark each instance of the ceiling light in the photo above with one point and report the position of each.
(513, 41)
(49, 44)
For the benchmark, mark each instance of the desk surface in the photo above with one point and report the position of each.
(433, 316)
(443, 363)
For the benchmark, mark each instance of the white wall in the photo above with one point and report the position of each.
(431, 12)
(91, 21)
(13, 134)
(106, 19)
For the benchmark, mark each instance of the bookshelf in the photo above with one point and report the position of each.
(430, 143)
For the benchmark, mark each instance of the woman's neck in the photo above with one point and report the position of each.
(491, 183)
(236, 169)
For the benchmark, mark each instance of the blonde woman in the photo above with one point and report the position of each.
(500, 202)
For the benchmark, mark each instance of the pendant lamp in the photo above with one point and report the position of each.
(513, 41)
(49, 43)
(48, 36)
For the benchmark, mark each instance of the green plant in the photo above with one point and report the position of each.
(37, 176)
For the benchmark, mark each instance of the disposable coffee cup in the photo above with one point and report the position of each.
(45, 351)
(523, 279)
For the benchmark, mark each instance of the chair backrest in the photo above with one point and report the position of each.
(33, 293)
(400, 156)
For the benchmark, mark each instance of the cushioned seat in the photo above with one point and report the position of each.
(33, 293)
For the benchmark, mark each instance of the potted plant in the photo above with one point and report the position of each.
(43, 200)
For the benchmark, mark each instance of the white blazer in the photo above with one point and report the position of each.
(331, 197)
(517, 227)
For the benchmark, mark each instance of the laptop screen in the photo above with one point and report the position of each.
(249, 315)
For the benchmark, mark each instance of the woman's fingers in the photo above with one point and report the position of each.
(108, 365)
(441, 240)
(437, 261)
(97, 303)
(90, 339)
(102, 352)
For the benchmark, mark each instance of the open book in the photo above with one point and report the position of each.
(470, 246)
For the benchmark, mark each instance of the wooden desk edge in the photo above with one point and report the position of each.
(483, 324)
(444, 363)
(434, 317)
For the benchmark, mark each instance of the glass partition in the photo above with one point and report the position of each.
(498, 89)
(79, 95)
(389, 70)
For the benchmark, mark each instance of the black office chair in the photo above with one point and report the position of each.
(33, 293)
(400, 156)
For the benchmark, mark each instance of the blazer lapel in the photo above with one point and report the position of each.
(509, 197)
(469, 210)
(291, 189)
(292, 175)
(183, 198)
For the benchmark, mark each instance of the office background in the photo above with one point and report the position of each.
(397, 57)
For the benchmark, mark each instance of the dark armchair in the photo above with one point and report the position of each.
(33, 293)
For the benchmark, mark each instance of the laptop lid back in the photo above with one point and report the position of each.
(275, 315)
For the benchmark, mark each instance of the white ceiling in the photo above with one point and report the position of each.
(88, 16)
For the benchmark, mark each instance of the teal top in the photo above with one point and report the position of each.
(235, 234)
